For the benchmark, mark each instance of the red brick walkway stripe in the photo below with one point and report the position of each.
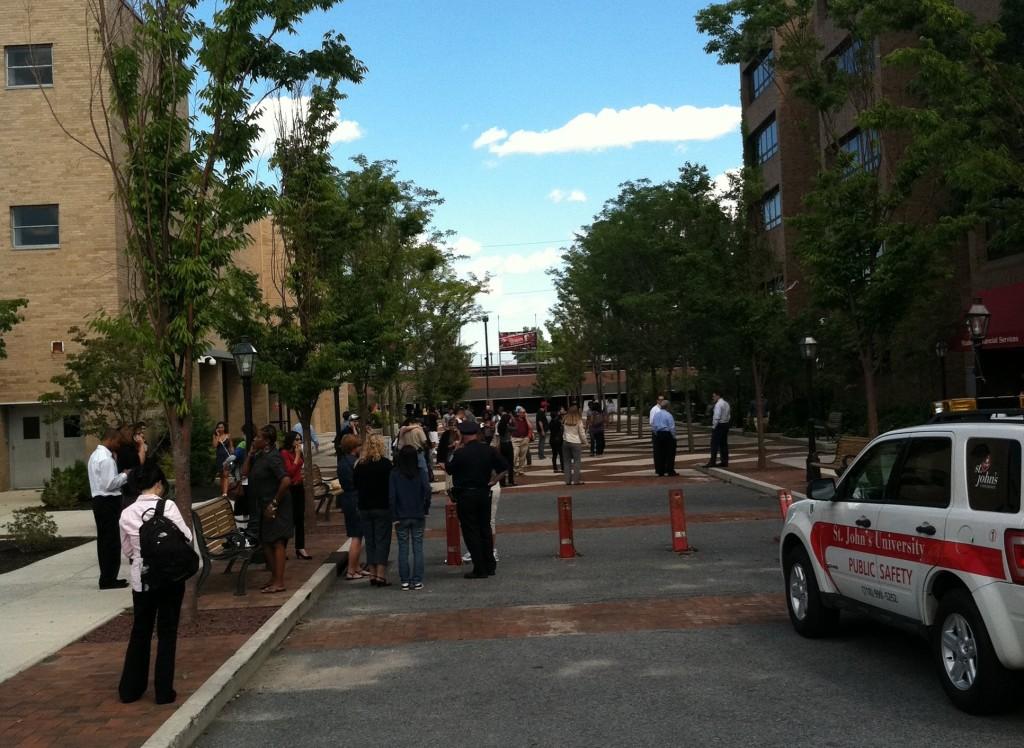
(641, 520)
(650, 614)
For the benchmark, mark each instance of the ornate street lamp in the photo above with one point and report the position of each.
(941, 348)
(245, 357)
(487, 364)
(809, 353)
(976, 320)
(739, 403)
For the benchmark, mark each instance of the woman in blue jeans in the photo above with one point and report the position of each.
(370, 478)
(409, 498)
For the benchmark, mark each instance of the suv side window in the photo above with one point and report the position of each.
(993, 475)
(868, 478)
(924, 477)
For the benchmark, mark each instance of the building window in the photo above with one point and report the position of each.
(72, 427)
(29, 65)
(865, 149)
(771, 210)
(35, 227)
(765, 141)
(30, 427)
(854, 57)
(762, 74)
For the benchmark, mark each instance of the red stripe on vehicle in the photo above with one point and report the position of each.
(948, 554)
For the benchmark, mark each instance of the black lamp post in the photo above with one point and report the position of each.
(736, 373)
(940, 352)
(487, 363)
(244, 354)
(809, 353)
(976, 320)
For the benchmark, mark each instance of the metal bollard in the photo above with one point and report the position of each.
(785, 501)
(566, 547)
(451, 527)
(680, 543)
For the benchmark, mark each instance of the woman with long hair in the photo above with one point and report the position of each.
(371, 479)
(268, 489)
(152, 607)
(222, 448)
(574, 438)
(291, 454)
(348, 449)
(409, 499)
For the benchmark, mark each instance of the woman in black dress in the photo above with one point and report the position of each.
(371, 478)
(268, 486)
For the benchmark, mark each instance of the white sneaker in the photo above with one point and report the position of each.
(467, 556)
(495, 554)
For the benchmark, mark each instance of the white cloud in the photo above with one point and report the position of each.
(466, 246)
(285, 107)
(617, 128)
(514, 263)
(573, 196)
(493, 135)
(721, 185)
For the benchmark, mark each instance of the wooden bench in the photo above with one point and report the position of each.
(847, 449)
(830, 428)
(213, 523)
(322, 493)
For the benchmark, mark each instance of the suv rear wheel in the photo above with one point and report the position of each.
(807, 612)
(968, 668)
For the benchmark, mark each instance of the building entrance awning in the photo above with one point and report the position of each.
(1006, 328)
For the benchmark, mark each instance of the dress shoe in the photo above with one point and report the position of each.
(167, 698)
(709, 464)
(471, 575)
(117, 584)
(672, 473)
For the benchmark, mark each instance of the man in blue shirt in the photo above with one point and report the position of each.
(663, 428)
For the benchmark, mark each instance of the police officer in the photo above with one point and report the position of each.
(474, 468)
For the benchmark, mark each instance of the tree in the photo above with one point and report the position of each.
(181, 178)
(102, 382)
(9, 317)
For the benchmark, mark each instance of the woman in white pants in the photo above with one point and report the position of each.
(574, 439)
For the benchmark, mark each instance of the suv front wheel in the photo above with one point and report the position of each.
(971, 674)
(807, 612)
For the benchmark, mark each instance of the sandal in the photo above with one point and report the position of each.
(353, 577)
(272, 590)
(303, 555)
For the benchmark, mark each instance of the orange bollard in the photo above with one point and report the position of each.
(785, 501)
(566, 547)
(451, 526)
(680, 543)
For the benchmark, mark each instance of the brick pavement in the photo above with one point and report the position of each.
(523, 621)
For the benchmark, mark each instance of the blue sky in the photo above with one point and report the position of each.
(515, 78)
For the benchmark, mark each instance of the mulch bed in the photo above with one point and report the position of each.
(12, 558)
(217, 622)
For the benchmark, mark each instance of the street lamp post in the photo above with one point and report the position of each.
(809, 353)
(487, 362)
(940, 352)
(244, 354)
(976, 320)
(739, 401)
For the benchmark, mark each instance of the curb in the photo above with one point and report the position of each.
(769, 489)
(189, 720)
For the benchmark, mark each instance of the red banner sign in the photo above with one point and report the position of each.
(517, 341)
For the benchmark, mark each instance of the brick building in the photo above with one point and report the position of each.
(785, 138)
(62, 241)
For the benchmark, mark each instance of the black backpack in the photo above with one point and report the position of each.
(167, 556)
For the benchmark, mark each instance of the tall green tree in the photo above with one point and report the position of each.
(9, 317)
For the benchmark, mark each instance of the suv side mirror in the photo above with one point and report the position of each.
(822, 489)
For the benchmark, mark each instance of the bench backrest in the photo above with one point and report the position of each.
(847, 449)
(215, 518)
(835, 420)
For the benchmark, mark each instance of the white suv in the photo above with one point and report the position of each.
(924, 528)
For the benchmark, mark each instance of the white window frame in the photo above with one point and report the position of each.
(32, 247)
(7, 66)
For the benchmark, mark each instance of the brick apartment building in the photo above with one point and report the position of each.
(62, 241)
(785, 138)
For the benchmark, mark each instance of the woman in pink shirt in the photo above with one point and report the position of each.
(161, 607)
(291, 454)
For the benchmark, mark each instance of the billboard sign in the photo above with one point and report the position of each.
(517, 341)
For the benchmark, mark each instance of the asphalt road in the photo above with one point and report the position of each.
(627, 645)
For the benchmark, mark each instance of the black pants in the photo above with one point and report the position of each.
(474, 509)
(720, 443)
(597, 443)
(664, 453)
(163, 608)
(556, 454)
(299, 514)
(509, 453)
(106, 510)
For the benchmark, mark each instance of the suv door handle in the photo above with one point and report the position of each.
(925, 529)
(863, 522)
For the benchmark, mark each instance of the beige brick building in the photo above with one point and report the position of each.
(61, 245)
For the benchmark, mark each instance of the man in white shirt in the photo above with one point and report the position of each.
(720, 419)
(105, 484)
(655, 409)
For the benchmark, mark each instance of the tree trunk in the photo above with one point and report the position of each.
(618, 398)
(870, 393)
(668, 382)
(180, 431)
(690, 446)
(762, 450)
(307, 470)
(629, 404)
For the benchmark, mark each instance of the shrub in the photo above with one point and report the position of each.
(67, 487)
(32, 529)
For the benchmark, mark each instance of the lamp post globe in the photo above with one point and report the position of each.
(976, 320)
(808, 348)
(245, 354)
